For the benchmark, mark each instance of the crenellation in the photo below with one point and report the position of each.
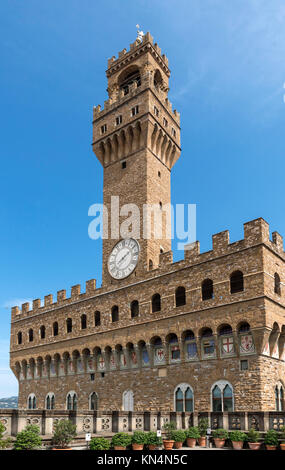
(48, 300)
(25, 307)
(277, 239)
(61, 295)
(256, 231)
(75, 291)
(90, 286)
(221, 242)
(192, 252)
(36, 304)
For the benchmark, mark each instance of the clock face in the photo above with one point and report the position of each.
(123, 258)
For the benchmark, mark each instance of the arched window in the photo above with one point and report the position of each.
(115, 313)
(31, 335)
(32, 402)
(190, 345)
(69, 325)
(83, 322)
(93, 401)
(279, 397)
(128, 78)
(42, 332)
(150, 265)
(50, 401)
(226, 340)
(174, 350)
(157, 79)
(183, 398)
(71, 401)
(236, 282)
(128, 400)
(134, 309)
(277, 284)
(97, 318)
(207, 289)
(180, 296)
(244, 327)
(156, 303)
(222, 396)
(55, 328)
(19, 337)
(208, 343)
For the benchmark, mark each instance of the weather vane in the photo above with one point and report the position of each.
(140, 33)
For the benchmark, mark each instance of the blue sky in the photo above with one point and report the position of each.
(228, 74)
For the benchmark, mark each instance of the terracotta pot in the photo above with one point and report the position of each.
(151, 447)
(137, 446)
(178, 445)
(119, 448)
(168, 445)
(237, 445)
(219, 443)
(191, 442)
(202, 441)
(254, 445)
(58, 448)
(282, 446)
(270, 447)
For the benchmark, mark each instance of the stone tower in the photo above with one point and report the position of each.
(136, 137)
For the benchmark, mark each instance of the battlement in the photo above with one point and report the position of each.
(255, 233)
(136, 48)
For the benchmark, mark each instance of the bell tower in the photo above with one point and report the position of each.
(136, 137)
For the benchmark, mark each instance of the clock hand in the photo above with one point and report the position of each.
(122, 259)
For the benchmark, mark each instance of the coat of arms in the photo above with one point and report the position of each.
(228, 345)
(246, 343)
(159, 355)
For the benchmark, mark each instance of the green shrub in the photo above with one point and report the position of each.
(152, 439)
(238, 436)
(99, 443)
(168, 428)
(192, 433)
(121, 439)
(271, 438)
(178, 436)
(203, 426)
(64, 433)
(28, 439)
(220, 434)
(139, 437)
(253, 435)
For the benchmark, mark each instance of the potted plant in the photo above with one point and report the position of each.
(28, 439)
(152, 440)
(121, 440)
(192, 434)
(99, 443)
(237, 438)
(271, 439)
(168, 442)
(253, 437)
(64, 433)
(282, 443)
(179, 437)
(202, 427)
(139, 438)
(220, 436)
